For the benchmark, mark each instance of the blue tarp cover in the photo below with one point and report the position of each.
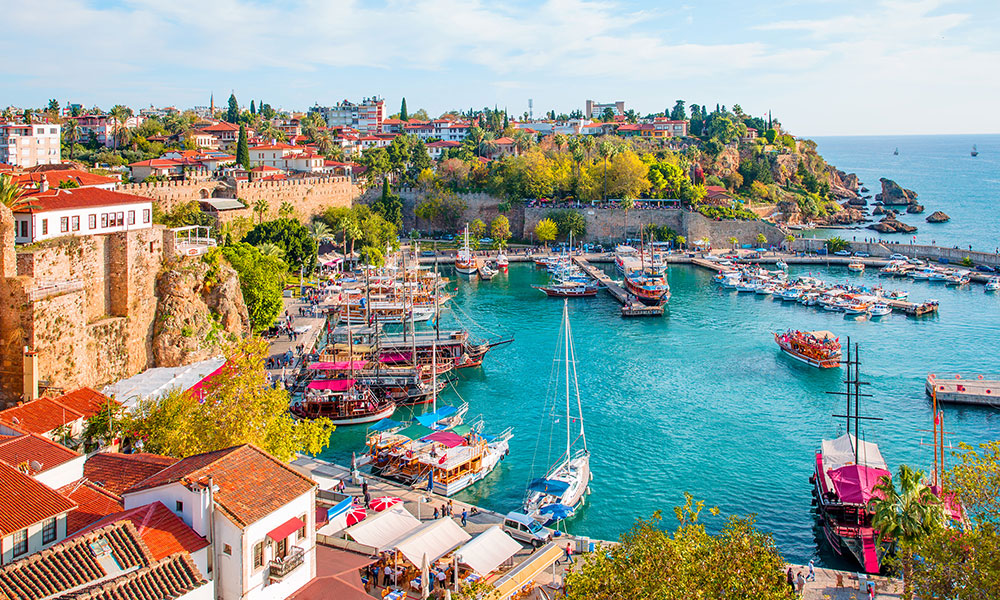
(548, 486)
(557, 511)
(431, 418)
(385, 424)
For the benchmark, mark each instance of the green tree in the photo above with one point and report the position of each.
(905, 515)
(500, 231)
(237, 406)
(608, 115)
(377, 164)
(233, 114)
(253, 108)
(262, 280)
(733, 242)
(243, 149)
(546, 230)
(260, 208)
(293, 237)
(120, 115)
(286, 210)
(678, 113)
(836, 244)
(372, 256)
(99, 430)
(627, 203)
(71, 135)
(477, 229)
(569, 221)
(681, 241)
(761, 239)
(389, 205)
(271, 250)
(689, 562)
(402, 111)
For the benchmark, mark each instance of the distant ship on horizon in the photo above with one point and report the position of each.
(975, 152)
(895, 152)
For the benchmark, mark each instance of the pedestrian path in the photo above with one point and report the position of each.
(843, 585)
(281, 348)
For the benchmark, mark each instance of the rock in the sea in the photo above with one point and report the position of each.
(938, 217)
(857, 202)
(915, 209)
(865, 190)
(847, 216)
(878, 211)
(891, 225)
(893, 193)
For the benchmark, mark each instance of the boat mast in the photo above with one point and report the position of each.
(576, 387)
(434, 364)
(413, 324)
(566, 349)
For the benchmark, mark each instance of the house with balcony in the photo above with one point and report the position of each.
(30, 144)
(52, 213)
(440, 148)
(259, 512)
(227, 134)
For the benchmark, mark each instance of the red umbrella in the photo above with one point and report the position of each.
(383, 502)
(357, 514)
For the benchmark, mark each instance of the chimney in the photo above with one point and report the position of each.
(43, 185)
(30, 368)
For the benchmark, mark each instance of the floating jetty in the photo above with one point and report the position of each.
(956, 389)
(630, 308)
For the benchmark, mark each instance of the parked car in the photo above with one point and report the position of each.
(522, 527)
(428, 253)
(897, 256)
(448, 237)
(862, 254)
(914, 261)
(485, 240)
(842, 253)
(985, 269)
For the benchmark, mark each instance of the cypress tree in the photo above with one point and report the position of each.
(242, 149)
(233, 115)
(253, 109)
(402, 111)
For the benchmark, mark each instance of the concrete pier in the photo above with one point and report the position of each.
(630, 308)
(959, 389)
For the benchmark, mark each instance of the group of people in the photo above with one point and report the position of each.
(386, 572)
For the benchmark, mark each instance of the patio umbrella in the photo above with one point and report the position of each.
(557, 511)
(383, 502)
(357, 514)
(425, 575)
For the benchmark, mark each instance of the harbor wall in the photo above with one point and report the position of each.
(479, 205)
(921, 251)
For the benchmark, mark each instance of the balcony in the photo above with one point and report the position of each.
(282, 567)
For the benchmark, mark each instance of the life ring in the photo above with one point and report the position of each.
(980, 378)
(958, 376)
(941, 388)
(987, 391)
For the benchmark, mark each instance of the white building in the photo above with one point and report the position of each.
(286, 157)
(53, 213)
(259, 512)
(596, 109)
(366, 116)
(26, 145)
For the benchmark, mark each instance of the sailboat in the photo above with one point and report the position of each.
(558, 494)
(464, 262)
(895, 152)
(975, 152)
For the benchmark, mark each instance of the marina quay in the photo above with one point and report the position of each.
(467, 301)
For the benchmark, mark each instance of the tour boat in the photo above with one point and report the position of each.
(745, 286)
(856, 267)
(939, 276)
(819, 349)
(465, 263)
(343, 401)
(993, 284)
(487, 272)
(650, 289)
(558, 494)
(781, 265)
(879, 309)
(764, 289)
(975, 151)
(502, 262)
(790, 294)
(958, 278)
(898, 295)
(625, 256)
(923, 274)
(568, 289)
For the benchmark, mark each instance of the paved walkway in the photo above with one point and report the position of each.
(309, 328)
(826, 587)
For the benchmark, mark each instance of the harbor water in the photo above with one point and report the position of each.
(701, 400)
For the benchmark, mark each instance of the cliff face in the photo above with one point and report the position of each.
(200, 307)
(893, 193)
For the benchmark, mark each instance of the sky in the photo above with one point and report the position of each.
(823, 67)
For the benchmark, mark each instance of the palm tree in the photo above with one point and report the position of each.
(587, 141)
(788, 242)
(607, 149)
(681, 240)
(627, 203)
(260, 207)
(12, 194)
(559, 140)
(324, 142)
(320, 230)
(733, 242)
(522, 140)
(489, 142)
(71, 134)
(905, 515)
(476, 134)
(286, 209)
(119, 116)
(271, 249)
(353, 230)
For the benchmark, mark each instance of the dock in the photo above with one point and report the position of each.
(958, 389)
(630, 308)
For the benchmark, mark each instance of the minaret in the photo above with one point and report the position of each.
(211, 104)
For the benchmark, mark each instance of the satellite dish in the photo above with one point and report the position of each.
(35, 466)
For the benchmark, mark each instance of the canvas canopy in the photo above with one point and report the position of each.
(394, 357)
(384, 425)
(382, 529)
(548, 486)
(488, 550)
(431, 418)
(415, 432)
(840, 453)
(334, 385)
(433, 540)
(340, 365)
(452, 440)
(855, 484)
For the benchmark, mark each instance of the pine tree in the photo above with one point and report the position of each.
(402, 111)
(253, 109)
(233, 114)
(506, 121)
(243, 149)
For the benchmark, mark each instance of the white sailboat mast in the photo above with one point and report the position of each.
(569, 440)
(434, 364)
(576, 387)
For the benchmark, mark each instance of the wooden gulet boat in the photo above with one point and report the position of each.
(465, 263)
(819, 349)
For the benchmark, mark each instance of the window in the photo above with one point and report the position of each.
(131, 217)
(63, 224)
(178, 506)
(120, 219)
(104, 219)
(302, 531)
(258, 555)
(92, 221)
(45, 226)
(282, 550)
(227, 549)
(20, 542)
(49, 531)
(76, 223)
(24, 229)
(53, 130)
(145, 215)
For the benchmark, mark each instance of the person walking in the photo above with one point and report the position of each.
(790, 579)
(450, 509)
(800, 583)
(812, 573)
(465, 516)
(435, 513)
(569, 553)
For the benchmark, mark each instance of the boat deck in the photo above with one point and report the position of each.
(956, 389)
(629, 308)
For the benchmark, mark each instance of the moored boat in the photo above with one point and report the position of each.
(819, 349)
(879, 309)
(993, 284)
(856, 267)
(343, 401)
(487, 272)
(568, 289)
(465, 263)
(502, 261)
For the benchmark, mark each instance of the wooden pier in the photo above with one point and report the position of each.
(956, 389)
(630, 308)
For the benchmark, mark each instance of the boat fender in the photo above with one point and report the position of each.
(958, 376)
(812, 479)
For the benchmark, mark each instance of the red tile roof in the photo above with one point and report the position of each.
(55, 177)
(157, 163)
(166, 579)
(20, 452)
(220, 127)
(39, 416)
(163, 532)
(118, 472)
(274, 147)
(86, 401)
(262, 168)
(503, 141)
(443, 144)
(252, 483)
(25, 501)
(87, 197)
(93, 503)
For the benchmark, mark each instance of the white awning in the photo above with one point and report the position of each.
(157, 382)
(380, 530)
(840, 453)
(488, 550)
(433, 539)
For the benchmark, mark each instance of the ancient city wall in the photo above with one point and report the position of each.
(168, 194)
(884, 250)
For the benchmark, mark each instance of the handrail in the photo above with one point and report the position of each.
(280, 567)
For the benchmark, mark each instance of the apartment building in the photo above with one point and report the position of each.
(366, 116)
(27, 145)
(596, 109)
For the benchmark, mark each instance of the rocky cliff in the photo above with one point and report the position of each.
(200, 307)
(893, 193)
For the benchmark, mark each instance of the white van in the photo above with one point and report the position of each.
(522, 527)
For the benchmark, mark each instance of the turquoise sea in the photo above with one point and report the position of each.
(946, 177)
(702, 401)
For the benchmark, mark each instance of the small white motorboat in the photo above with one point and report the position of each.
(993, 284)
(879, 309)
